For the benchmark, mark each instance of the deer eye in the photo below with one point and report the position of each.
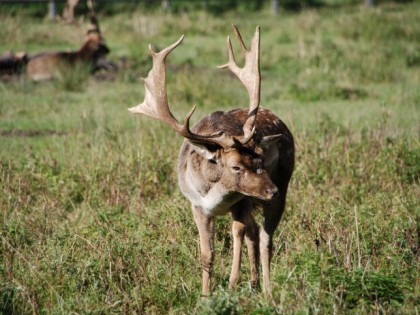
(236, 168)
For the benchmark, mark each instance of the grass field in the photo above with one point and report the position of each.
(92, 221)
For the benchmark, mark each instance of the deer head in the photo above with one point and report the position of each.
(235, 158)
(94, 46)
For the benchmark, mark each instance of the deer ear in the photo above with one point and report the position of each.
(204, 151)
(268, 141)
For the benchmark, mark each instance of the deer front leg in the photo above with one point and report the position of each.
(244, 224)
(238, 232)
(205, 226)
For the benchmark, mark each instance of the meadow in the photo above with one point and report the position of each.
(92, 220)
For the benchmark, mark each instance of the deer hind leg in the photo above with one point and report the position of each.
(205, 226)
(244, 225)
(272, 216)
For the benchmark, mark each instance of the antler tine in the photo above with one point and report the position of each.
(238, 35)
(250, 77)
(155, 104)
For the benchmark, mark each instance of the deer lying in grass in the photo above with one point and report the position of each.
(46, 65)
(232, 162)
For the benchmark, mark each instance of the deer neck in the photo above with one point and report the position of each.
(85, 52)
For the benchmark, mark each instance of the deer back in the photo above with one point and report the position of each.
(43, 66)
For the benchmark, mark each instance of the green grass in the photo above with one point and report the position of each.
(92, 220)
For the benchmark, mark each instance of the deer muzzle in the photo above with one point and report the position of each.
(271, 192)
(261, 187)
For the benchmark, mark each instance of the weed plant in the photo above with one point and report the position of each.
(92, 221)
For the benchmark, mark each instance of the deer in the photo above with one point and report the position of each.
(238, 162)
(46, 65)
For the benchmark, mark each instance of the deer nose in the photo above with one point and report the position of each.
(272, 192)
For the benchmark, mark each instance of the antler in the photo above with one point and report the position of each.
(93, 18)
(155, 104)
(250, 77)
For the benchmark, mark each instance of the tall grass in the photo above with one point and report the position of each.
(92, 220)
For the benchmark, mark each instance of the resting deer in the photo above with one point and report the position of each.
(232, 162)
(46, 65)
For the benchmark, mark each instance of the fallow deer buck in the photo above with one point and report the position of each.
(46, 65)
(232, 161)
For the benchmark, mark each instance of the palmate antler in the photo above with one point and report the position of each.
(155, 104)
